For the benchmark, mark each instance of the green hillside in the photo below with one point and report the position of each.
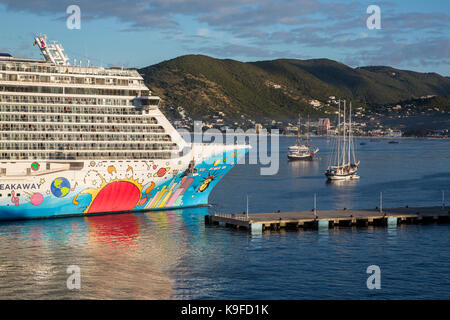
(280, 88)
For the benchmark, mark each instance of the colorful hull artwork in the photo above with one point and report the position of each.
(114, 186)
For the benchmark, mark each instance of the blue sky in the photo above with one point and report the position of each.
(414, 34)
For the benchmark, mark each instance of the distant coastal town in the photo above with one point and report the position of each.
(398, 120)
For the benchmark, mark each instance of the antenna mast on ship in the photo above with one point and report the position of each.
(53, 52)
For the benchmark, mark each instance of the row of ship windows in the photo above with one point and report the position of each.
(68, 100)
(43, 68)
(70, 109)
(85, 146)
(77, 119)
(70, 79)
(119, 128)
(84, 155)
(60, 90)
(83, 137)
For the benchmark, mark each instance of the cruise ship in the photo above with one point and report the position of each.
(82, 140)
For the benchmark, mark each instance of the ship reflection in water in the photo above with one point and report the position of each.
(122, 256)
(303, 168)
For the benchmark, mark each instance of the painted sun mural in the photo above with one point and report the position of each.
(119, 191)
(111, 192)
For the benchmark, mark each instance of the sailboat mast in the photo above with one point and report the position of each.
(339, 135)
(349, 132)
(298, 131)
(307, 133)
(344, 134)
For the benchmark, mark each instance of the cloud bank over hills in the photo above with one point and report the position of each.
(411, 37)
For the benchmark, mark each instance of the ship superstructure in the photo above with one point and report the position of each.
(82, 139)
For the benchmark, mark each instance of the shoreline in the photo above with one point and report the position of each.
(381, 137)
(315, 136)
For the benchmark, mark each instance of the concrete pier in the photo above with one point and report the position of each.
(258, 222)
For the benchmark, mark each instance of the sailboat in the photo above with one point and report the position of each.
(301, 151)
(343, 164)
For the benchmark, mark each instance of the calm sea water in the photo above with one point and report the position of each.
(173, 255)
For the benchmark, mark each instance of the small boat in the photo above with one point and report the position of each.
(393, 142)
(301, 151)
(343, 164)
(347, 172)
(363, 143)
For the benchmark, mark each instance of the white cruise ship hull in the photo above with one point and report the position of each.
(52, 189)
